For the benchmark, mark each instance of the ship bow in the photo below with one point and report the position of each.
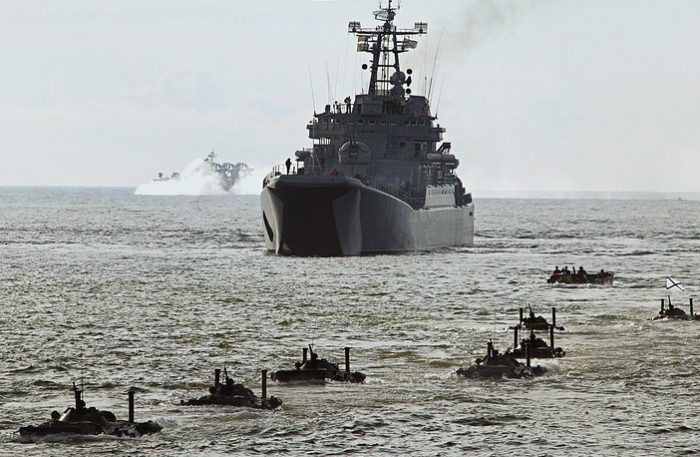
(312, 216)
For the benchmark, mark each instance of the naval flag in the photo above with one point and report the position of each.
(673, 284)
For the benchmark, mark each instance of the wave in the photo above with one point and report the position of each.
(636, 253)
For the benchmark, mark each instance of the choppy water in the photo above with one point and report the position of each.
(154, 293)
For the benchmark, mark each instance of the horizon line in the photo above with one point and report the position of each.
(490, 194)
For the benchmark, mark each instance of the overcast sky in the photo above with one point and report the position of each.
(538, 95)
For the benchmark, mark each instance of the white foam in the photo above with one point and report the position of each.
(197, 178)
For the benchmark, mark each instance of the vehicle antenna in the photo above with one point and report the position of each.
(313, 330)
(313, 333)
(82, 374)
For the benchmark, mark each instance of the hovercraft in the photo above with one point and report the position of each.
(232, 394)
(81, 420)
(316, 370)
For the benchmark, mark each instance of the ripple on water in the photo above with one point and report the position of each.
(120, 291)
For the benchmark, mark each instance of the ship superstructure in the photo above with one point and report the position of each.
(379, 177)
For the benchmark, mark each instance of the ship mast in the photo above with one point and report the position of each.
(384, 42)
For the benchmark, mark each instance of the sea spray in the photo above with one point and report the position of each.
(200, 177)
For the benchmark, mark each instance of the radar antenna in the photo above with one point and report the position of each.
(384, 42)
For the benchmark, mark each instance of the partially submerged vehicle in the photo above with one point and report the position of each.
(497, 366)
(536, 348)
(230, 393)
(603, 278)
(673, 312)
(533, 346)
(533, 322)
(316, 370)
(81, 420)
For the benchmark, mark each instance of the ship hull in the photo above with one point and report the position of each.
(340, 216)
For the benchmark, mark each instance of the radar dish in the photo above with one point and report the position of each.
(410, 44)
(385, 15)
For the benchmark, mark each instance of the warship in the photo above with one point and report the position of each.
(379, 177)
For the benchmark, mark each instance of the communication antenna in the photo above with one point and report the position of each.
(328, 81)
(432, 75)
(311, 83)
(385, 43)
(442, 86)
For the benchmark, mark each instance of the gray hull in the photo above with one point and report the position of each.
(340, 216)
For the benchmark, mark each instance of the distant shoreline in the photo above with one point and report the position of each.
(587, 195)
(478, 194)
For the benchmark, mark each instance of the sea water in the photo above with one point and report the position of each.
(115, 291)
